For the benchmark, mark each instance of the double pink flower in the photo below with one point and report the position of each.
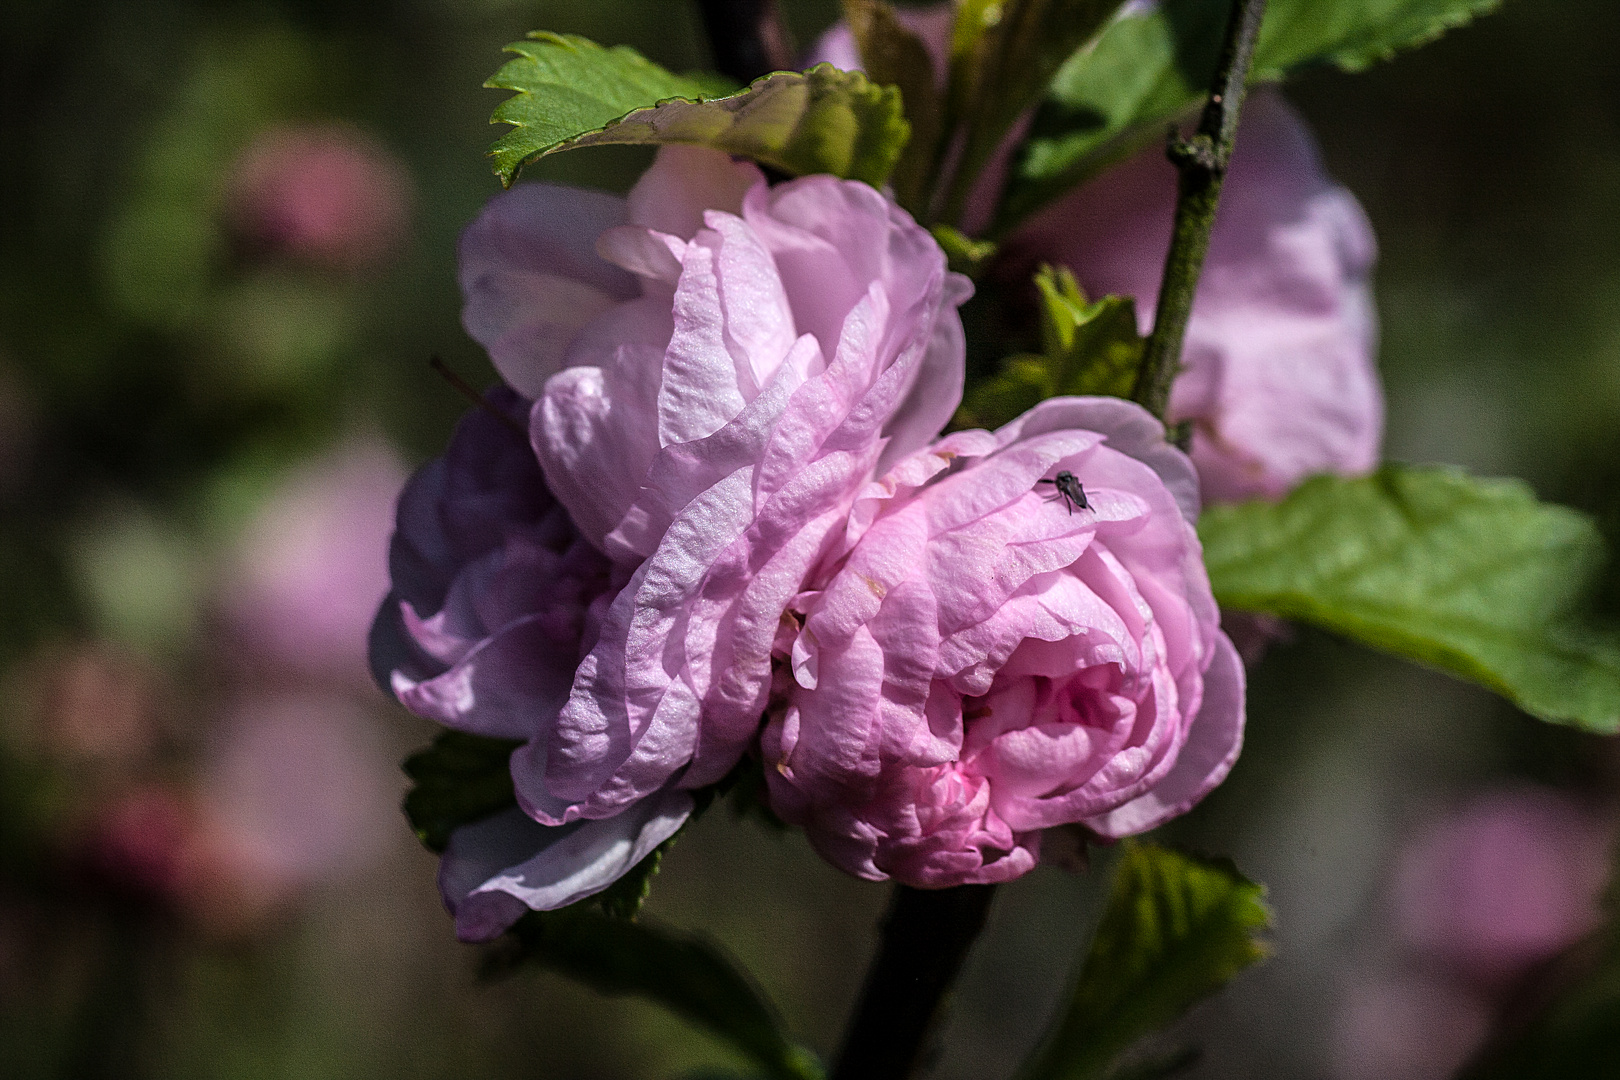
(746, 513)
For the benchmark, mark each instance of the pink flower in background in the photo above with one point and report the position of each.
(1410, 1027)
(298, 789)
(294, 791)
(984, 661)
(94, 703)
(306, 575)
(328, 195)
(141, 842)
(1279, 377)
(1481, 895)
(1507, 881)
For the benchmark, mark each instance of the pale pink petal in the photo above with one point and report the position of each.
(1279, 375)
(1212, 747)
(496, 869)
(532, 279)
(685, 181)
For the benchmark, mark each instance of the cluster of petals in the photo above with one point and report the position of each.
(732, 394)
(987, 661)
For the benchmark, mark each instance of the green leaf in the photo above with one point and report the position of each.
(684, 973)
(964, 254)
(1151, 68)
(1003, 55)
(1474, 577)
(572, 92)
(892, 55)
(457, 780)
(1176, 928)
(1089, 348)
(623, 899)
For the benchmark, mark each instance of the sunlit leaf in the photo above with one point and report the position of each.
(1004, 53)
(572, 92)
(1088, 348)
(1471, 576)
(1175, 930)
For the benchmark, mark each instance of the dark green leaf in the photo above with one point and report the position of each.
(1003, 55)
(1471, 576)
(458, 780)
(684, 973)
(1153, 67)
(1089, 348)
(572, 92)
(892, 55)
(1175, 930)
(623, 899)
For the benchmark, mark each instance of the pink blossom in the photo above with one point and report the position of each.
(94, 703)
(981, 660)
(297, 789)
(1408, 1027)
(752, 357)
(1279, 378)
(305, 576)
(1505, 882)
(328, 195)
(496, 598)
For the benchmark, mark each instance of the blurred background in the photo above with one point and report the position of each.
(227, 251)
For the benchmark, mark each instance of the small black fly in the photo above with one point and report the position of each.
(1068, 489)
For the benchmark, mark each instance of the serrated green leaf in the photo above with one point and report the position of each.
(1175, 930)
(1152, 67)
(572, 92)
(1353, 35)
(1474, 577)
(1089, 348)
(456, 781)
(624, 898)
(684, 973)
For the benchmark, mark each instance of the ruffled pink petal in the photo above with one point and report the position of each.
(507, 686)
(532, 280)
(496, 869)
(1212, 747)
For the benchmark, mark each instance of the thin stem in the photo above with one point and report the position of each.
(1201, 166)
(748, 37)
(925, 937)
